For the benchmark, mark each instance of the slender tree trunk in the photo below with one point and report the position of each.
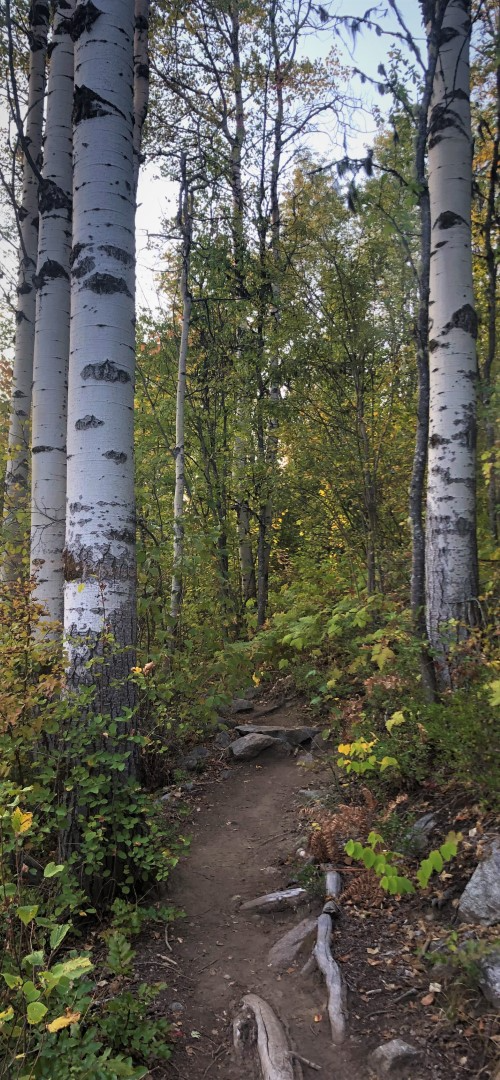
(451, 550)
(17, 471)
(186, 224)
(50, 365)
(141, 79)
(491, 251)
(266, 509)
(100, 571)
(419, 469)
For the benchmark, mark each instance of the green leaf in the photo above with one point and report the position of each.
(13, 981)
(73, 968)
(36, 1012)
(58, 934)
(369, 857)
(27, 914)
(386, 762)
(349, 847)
(436, 859)
(34, 959)
(52, 869)
(30, 991)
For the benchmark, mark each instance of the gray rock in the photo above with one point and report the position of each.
(392, 1057)
(167, 797)
(480, 900)
(196, 758)
(222, 740)
(288, 947)
(241, 705)
(250, 693)
(417, 837)
(176, 1007)
(226, 774)
(295, 736)
(251, 745)
(283, 900)
(311, 794)
(489, 979)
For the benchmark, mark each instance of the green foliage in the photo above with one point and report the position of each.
(386, 864)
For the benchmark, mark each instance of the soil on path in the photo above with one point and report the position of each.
(245, 834)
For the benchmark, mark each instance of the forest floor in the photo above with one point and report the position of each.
(246, 822)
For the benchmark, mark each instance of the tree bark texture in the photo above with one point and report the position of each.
(17, 471)
(100, 570)
(491, 231)
(451, 550)
(50, 364)
(141, 79)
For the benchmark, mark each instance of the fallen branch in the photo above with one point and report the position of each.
(332, 975)
(305, 1061)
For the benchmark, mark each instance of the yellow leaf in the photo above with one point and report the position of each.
(344, 748)
(20, 822)
(61, 1022)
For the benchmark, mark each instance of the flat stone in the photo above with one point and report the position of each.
(251, 745)
(311, 794)
(283, 900)
(288, 947)
(489, 978)
(391, 1057)
(241, 705)
(480, 900)
(222, 740)
(250, 693)
(196, 758)
(417, 837)
(295, 736)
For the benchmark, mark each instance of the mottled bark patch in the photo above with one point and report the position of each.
(438, 440)
(115, 455)
(83, 19)
(73, 567)
(107, 284)
(123, 536)
(448, 220)
(76, 252)
(117, 253)
(87, 422)
(105, 372)
(84, 267)
(43, 449)
(464, 318)
(74, 507)
(447, 33)
(52, 197)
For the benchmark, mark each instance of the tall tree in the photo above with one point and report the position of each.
(451, 548)
(50, 365)
(17, 471)
(100, 573)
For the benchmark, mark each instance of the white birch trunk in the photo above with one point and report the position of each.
(451, 553)
(50, 364)
(186, 222)
(100, 574)
(141, 79)
(17, 471)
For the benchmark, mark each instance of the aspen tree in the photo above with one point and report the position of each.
(451, 550)
(100, 571)
(50, 365)
(17, 471)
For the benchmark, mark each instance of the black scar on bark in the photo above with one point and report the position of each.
(142, 71)
(19, 393)
(24, 289)
(85, 267)
(52, 197)
(464, 527)
(448, 219)
(87, 422)
(124, 536)
(49, 272)
(83, 20)
(441, 244)
(77, 506)
(42, 449)
(438, 440)
(115, 455)
(117, 253)
(76, 251)
(447, 33)
(22, 213)
(20, 316)
(73, 569)
(87, 105)
(105, 372)
(107, 284)
(141, 23)
(464, 318)
(434, 344)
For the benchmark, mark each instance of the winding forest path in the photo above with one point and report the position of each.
(245, 834)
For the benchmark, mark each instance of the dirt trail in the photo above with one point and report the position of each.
(245, 834)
